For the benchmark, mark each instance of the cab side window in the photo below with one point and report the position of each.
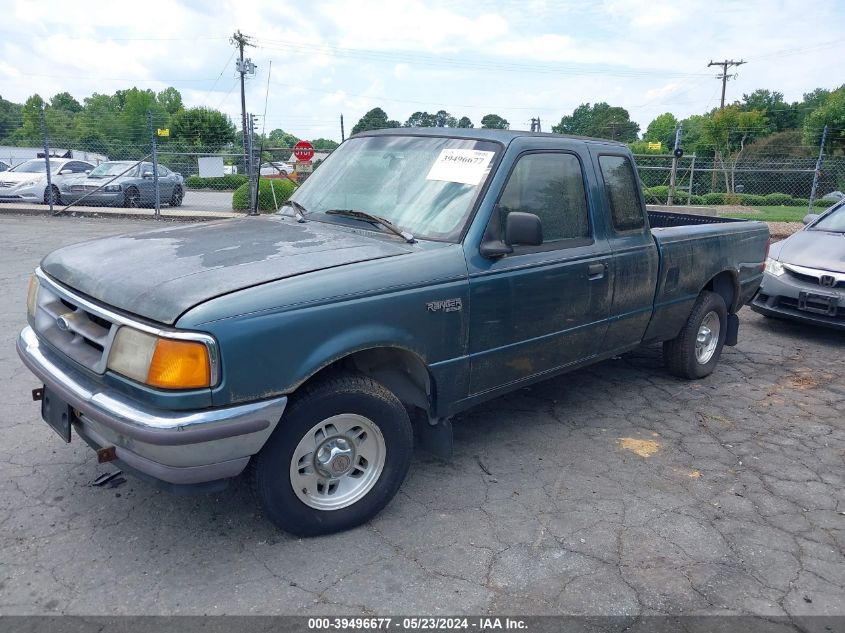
(551, 186)
(620, 185)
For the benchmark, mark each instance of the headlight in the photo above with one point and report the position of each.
(29, 183)
(111, 188)
(160, 362)
(32, 295)
(65, 187)
(774, 267)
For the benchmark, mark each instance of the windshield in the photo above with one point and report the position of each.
(833, 221)
(423, 185)
(113, 169)
(38, 166)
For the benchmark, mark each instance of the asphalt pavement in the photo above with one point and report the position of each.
(615, 490)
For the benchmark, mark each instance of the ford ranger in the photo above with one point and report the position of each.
(415, 274)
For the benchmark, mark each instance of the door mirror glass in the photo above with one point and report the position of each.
(523, 229)
(148, 174)
(810, 218)
(65, 172)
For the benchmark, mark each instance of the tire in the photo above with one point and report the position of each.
(132, 198)
(177, 197)
(57, 198)
(325, 421)
(686, 355)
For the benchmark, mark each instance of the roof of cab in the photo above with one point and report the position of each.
(483, 134)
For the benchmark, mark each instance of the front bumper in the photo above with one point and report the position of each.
(173, 447)
(782, 297)
(108, 198)
(33, 193)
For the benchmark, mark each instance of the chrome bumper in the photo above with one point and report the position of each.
(177, 447)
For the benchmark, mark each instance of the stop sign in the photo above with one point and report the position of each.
(303, 151)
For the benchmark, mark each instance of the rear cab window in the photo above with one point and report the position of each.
(620, 186)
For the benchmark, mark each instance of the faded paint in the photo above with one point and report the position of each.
(643, 448)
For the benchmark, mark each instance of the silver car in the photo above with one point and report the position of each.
(119, 183)
(805, 273)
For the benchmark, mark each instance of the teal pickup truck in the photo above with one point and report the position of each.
(415, 274)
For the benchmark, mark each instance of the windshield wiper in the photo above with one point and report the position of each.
(369, 217)
(299, 210)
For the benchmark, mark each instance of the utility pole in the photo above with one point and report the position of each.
(342, 136)
(818, 171)
(724, 77)
(50, 194)
(244, 66)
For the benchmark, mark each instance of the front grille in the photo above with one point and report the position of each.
(789, 302)
(811, 279)
(6, 184)
(76, 330)
(83, 188)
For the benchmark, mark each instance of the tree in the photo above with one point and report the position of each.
(831, 112)
(170, 100)
(324, 144)
(662, 130)
(30, 129)
(464, 122)
(780, 114)
(202, 129)
(444, 119)
(10, 117)
(729, 130)
(65, 101)
(494, 122)
(375, 119)
(280, 138)
(421, 119)
(600, 121)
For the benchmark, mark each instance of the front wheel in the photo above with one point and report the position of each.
(57, 199)
(695, 352)
(132, 198)
(336, 459)
(177, 197)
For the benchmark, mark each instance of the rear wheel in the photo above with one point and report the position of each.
(57, 199)
(177, 197)
(695, 352)
(337, 457)
(132, 198)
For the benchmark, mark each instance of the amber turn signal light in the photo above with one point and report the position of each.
(179, 365)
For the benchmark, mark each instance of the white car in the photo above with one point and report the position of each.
(277, 170)
(27, 182)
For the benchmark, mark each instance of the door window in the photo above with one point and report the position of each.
(551, 186)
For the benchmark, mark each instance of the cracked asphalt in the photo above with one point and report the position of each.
(616, 490)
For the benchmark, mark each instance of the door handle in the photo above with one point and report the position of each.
(596, 271)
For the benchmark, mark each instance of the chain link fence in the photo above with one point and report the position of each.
(750, 182)
(150, 170)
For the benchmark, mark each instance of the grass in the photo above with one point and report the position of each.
(767, 213)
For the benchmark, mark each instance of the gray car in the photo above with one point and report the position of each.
(805, 273)
(125, 184)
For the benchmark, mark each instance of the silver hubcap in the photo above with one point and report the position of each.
(337, 462)
(708, 338)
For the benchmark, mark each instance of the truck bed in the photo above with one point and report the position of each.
(694, 249)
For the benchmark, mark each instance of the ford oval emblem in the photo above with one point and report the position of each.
(63, 324)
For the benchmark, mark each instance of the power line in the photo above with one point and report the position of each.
(728, 63)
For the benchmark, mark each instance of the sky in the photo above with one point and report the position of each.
(533, 58)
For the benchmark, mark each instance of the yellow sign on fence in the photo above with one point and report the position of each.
(163, 131)
(655, 146)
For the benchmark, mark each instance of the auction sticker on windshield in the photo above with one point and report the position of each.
(466, 166)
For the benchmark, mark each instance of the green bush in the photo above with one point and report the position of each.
(713, 198)
(694, 199)
(799, 202)
(750, 199)
(283, 189)
(824, 204)
(229, 181)
(656, 194)
(776, 199)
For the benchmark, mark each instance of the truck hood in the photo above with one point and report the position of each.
(160, 274)
(813, 249)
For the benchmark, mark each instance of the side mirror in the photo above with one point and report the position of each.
(148, 174)
(523, 229)
(87, 171)
(65, 172)
(810, 218)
